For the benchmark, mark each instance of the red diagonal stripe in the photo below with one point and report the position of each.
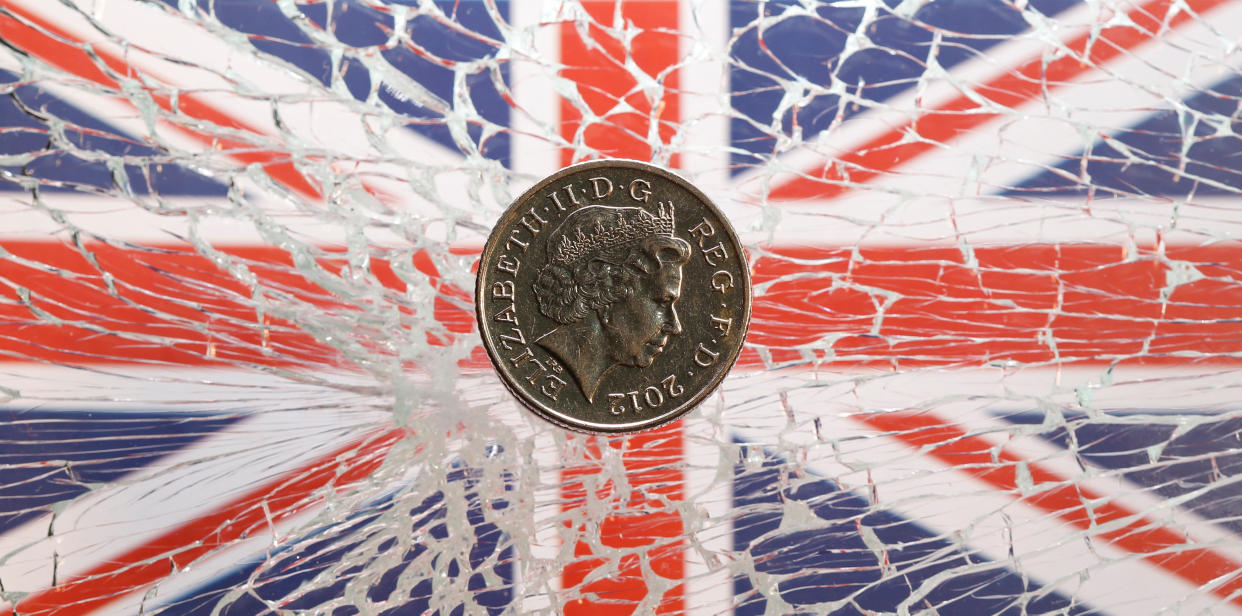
(1029, 81)
(1077, 505)
(31, 34)
(179, 547)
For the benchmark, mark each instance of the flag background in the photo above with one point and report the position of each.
(993, 364)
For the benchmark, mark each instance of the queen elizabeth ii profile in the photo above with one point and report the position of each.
(611, 281)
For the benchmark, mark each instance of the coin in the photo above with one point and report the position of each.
(612, 297)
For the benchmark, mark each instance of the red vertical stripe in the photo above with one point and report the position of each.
(642, 526)
(630, 121)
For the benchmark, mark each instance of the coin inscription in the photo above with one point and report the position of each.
(612, 297)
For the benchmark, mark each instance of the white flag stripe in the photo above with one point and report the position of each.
(703, 48)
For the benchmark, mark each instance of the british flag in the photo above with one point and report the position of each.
(993, 362)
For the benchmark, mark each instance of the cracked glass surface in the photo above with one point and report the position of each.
(993, 366)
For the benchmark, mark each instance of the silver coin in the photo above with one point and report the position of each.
(612, 297)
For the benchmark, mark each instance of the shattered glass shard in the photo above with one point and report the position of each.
(993, 365)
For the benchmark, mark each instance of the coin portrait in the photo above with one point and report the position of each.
(612, 297)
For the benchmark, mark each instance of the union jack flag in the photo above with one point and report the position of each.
(994, 352)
